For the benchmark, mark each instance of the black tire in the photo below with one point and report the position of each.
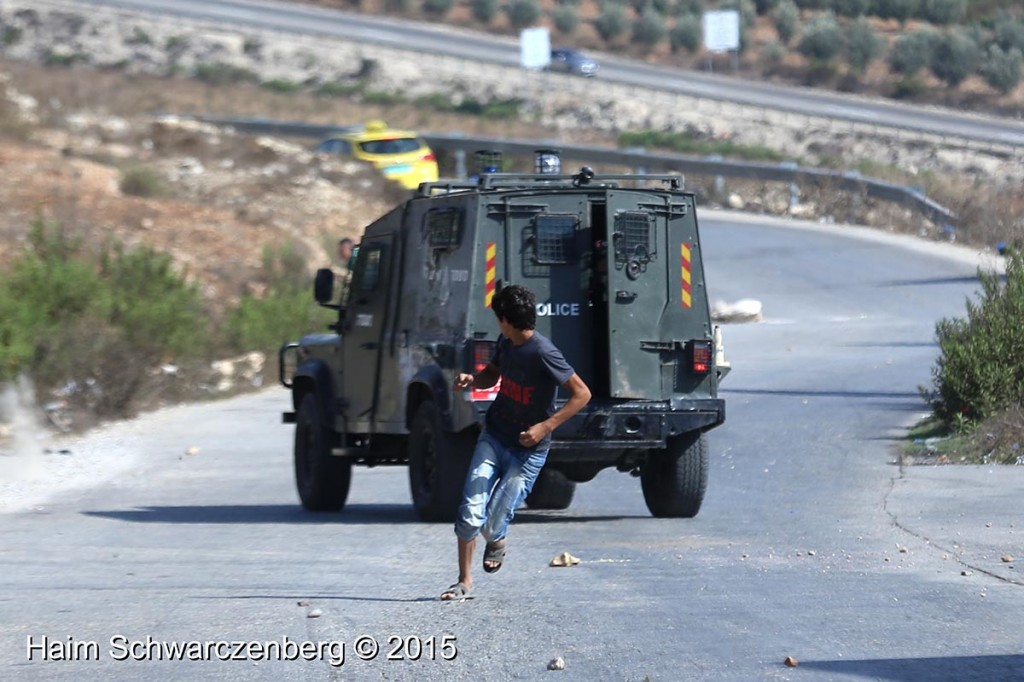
(438, 463)
(551, 490)
(322, 479)
(674, 479)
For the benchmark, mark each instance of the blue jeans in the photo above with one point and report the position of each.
(499, 480)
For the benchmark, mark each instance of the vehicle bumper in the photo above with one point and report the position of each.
(637, 425)
(631, 425)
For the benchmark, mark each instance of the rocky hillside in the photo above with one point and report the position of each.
(57, 32)
(211, 198)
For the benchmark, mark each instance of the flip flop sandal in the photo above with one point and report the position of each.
(495, 554)
(456, 592)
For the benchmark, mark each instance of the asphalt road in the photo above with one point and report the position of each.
(435, 39)
(811, 542)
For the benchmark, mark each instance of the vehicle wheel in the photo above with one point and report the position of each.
(551, 490)
(674, 479)
(322, 479)
(438, 463)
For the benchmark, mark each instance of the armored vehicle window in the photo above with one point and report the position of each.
(443, 227)
(555, 239)
(633, 237)
(368, 268)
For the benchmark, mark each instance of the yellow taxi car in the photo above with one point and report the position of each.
(399, 154)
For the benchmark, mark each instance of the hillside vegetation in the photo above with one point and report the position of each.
(954, 52)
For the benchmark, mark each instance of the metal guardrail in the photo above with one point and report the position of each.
(910, 197)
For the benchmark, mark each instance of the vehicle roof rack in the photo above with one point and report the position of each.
(585, 178)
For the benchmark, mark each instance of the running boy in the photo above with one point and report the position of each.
(517, 430)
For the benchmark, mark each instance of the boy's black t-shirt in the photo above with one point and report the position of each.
(530, 376)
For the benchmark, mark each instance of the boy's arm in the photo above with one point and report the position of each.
(579, 396)
(485, 378)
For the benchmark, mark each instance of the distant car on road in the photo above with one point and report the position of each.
(401, 155)
(568, 60)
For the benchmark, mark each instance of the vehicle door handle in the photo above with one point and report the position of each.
(369, 345)
(625, 296)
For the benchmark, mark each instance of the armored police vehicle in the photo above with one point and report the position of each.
(615, 263)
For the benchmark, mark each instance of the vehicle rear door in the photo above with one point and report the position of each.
(362, 337)
(644, 282)
(548, 247)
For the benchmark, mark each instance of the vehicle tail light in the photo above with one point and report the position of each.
(701, 357)
(483, 351)
(429, 156)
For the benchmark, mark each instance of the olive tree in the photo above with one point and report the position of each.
(522, 13)
(863, 45)
(1001, 68)
(688, 33)
(566, 19)
(913, 51)
(649, 29)
(485, 11)
(612, 22)
(900, 10)
(822, 38)
(787, 20)
(955, 57)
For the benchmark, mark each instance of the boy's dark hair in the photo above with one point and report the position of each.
(516, 305)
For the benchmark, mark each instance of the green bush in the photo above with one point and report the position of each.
(224, 74)
(436, 9)
(853, 8)
(901, 10)
(943, 12)
(822, 39)
(688, 34)
(908, 87)
(484, 11)
(382, 98)
(566, 19)
(138, 37)
(955, 57)
(523, 13)
(687, 144)
(281, 85)
(143, 182)
(1001, 69)
(336, 89)
(159, 311)
(10, 35)
(612, 22)
(787, 20)
(665, 7)
(649, 29)
(913, 51)
(1010, 34)
(980, 371)
(59, 58)
(284, 312)
(863, 45)
(94, 323)
(773, 53)
(748, 14)
(499, 109)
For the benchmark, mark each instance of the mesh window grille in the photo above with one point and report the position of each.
(444, 228)
(633, 237)
(555, 239)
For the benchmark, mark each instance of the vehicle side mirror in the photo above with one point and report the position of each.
(323, 286)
